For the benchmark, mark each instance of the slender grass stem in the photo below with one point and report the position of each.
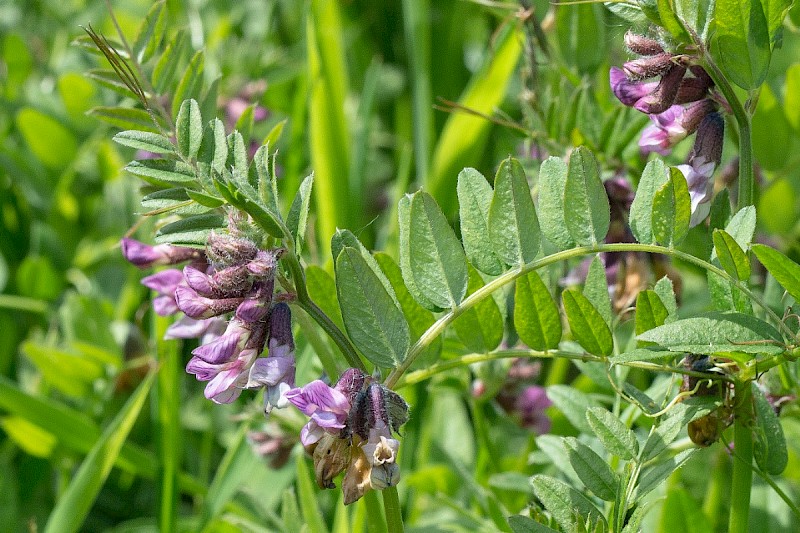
(742, 480)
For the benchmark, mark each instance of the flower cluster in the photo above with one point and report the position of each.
(350, 428)
(226, 296)
(680, 103)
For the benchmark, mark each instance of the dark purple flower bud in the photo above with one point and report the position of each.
(629, 92)
(691, 90)
(662, 97)
(701, 74)
(255, 307)
(280, 326)
(352, 383)
(708, 143)
(673, 125)
(648, 67)
(228, 250)
(143, 255)
(196, 306)
(379, 408)
(644, 46)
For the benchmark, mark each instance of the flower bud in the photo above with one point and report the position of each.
(263, 266)
(280, 326)
(143, 255)
(691, 90)
(708, 143)
(644, 46)
(197, 306)
(648, 67)
(663, 96)
(228, 250)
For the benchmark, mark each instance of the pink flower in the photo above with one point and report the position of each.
(629, 92)
(531, 405)
(327, 407)
(164, 283)
(673, 125)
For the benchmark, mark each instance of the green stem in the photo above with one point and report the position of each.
(746, 184)
(391, 505)
(168, 422)
(23, 303)
(438, 327)
(742, 480)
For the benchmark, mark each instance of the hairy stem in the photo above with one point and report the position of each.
(742, 480)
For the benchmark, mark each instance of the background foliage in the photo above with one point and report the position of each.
(358, 90)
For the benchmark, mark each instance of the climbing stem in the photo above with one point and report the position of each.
(742, 480)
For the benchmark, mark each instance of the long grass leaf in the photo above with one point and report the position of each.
(417, 27)
(464, 136)
(71, 509)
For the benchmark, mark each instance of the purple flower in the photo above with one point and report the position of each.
(143, 255)
(206, 329)
(660, 99)
(164, 283)
(196, 306)
(327, 407)
(531, 405)
(225, 347)
(701, 188)
(629, 92)
(226, 380)
(673, 125)
(275, 372)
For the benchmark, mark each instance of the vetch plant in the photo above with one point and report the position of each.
(237, 267)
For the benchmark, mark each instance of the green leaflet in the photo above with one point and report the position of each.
(666, 293)
(641, 217)
(596, 289)
(189, 129)
(419, 319)
(372, 317)
(769, 445)
(298, 214)
(151, 32)
(742, 40)
(192, 81)
(175, 200)
(536, 316)
(345, 238)
(474, 198)
(404, 223)
(125, 118)
(650, 312)
(671, 210)
(190, 231)
(565, 503)
(552, 183)
(588, 327)
(581, 36)
(513, 225)
(145, 140)
(595, 474)
(436, 260)
(784, 270)
(587, 213)
(322, 290)
(523, 524)
(716, 332)
(480, 328)
(616, 437)
(730, 255)
(654, 475)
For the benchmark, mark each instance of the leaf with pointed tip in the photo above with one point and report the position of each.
(219, 163)
(650, 312)
(192, 81)
(436, 259)
(204, 199)
(616, 437)
(474, 199)
(162, 172)
(568, 506)
(371, 315)
(404, 223)
(666, 293)
(513, 226)
(419, 319)
(190, 231)
(588, 327)
(126, 118)
(536, 316)
(731, 257)
(641, 217)
(298, 214)
(145, 140)
(717, 332)
(480, 328)
(769, 446)
(587, 214)
(552, 198)
(596, 289)
(592, 469)
(672, 210)
(345, 238)
(237, 157)
(167, 64)
(151, 33)
(175, 201)
(189, 128)
(784, 270)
